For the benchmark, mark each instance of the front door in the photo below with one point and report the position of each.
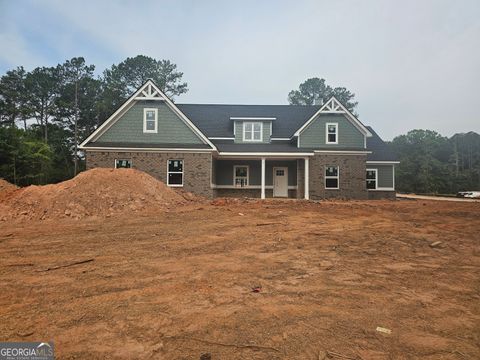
(280, 181)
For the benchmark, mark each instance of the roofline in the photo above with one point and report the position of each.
(113, 118)
(380, 162)
(289, 154)
(349, 152)
(352, 117)
(252, 118)
(127, 149)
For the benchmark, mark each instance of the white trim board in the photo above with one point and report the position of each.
(345, 152)
(256, 187)
(162, 150)
(340, 110)
(273, 155)
(253, 118)
(383, 162)
(131, 100)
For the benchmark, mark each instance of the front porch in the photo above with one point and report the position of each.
(262, 177)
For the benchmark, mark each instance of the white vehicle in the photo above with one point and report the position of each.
(469, 194)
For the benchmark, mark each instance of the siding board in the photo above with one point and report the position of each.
(171, 129)
(313, 136)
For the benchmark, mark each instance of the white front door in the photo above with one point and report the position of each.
(280, 181)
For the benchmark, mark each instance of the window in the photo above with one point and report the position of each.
(332, 133)
(240, 175)
(331, 177)
(175, 173)
(372, 179)
(123, 163)
(252, 131)
(150, 120)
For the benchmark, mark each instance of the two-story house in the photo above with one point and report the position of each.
(310, 152)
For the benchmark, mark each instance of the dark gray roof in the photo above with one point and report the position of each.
(274, 146)
(147, 145)
(380, 150)
(214, 120)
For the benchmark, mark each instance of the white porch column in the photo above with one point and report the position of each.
(263, 178)
(307, 191)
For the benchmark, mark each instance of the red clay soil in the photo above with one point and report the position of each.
(97, 192)
(248, 280)
(6, 186)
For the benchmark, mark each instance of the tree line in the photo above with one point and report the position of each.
(434, 164)
(46, 112)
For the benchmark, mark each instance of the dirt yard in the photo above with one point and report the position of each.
(179, 284)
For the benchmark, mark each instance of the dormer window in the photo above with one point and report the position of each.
(332, 133)
(150, 120)
(252, 131)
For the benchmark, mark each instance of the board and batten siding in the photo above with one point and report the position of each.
(239, 132)
(224, 171)
(171, 128)
(385, 175)
(313, 136)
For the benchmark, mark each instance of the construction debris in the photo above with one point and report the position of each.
(435, 244)
(96, 192)
(384, 330)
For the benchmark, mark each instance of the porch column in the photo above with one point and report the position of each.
(307, 191)
(263, 178)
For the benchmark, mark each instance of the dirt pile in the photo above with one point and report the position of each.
(6, 186)
(97, 192)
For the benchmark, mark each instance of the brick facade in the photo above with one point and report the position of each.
(380, 194)
(352, 171)
(198, 172)
(250, 193)
(197, 167)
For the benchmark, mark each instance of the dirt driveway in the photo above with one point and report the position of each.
(179, 285)
(436, 198)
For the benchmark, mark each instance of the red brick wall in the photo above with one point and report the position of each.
(197, 167)
(352, 170)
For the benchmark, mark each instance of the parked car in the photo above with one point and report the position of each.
(469, 194)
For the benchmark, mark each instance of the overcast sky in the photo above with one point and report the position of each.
(411, 64)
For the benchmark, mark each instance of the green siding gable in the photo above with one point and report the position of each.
(313, 136)
(385, 175)
(171, 128)
(239, 132)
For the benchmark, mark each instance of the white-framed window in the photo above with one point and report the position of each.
(240, 175)
(150, 120)
(331, 177)
(175, 172)
(123, 163)
(252, 131)
(372, 179)
(331, 132)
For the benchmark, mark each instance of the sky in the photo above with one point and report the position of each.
(411, 64)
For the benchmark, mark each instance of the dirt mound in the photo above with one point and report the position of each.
(97, 192)
(6, 186)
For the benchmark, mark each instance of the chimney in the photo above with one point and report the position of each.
(317, 101)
